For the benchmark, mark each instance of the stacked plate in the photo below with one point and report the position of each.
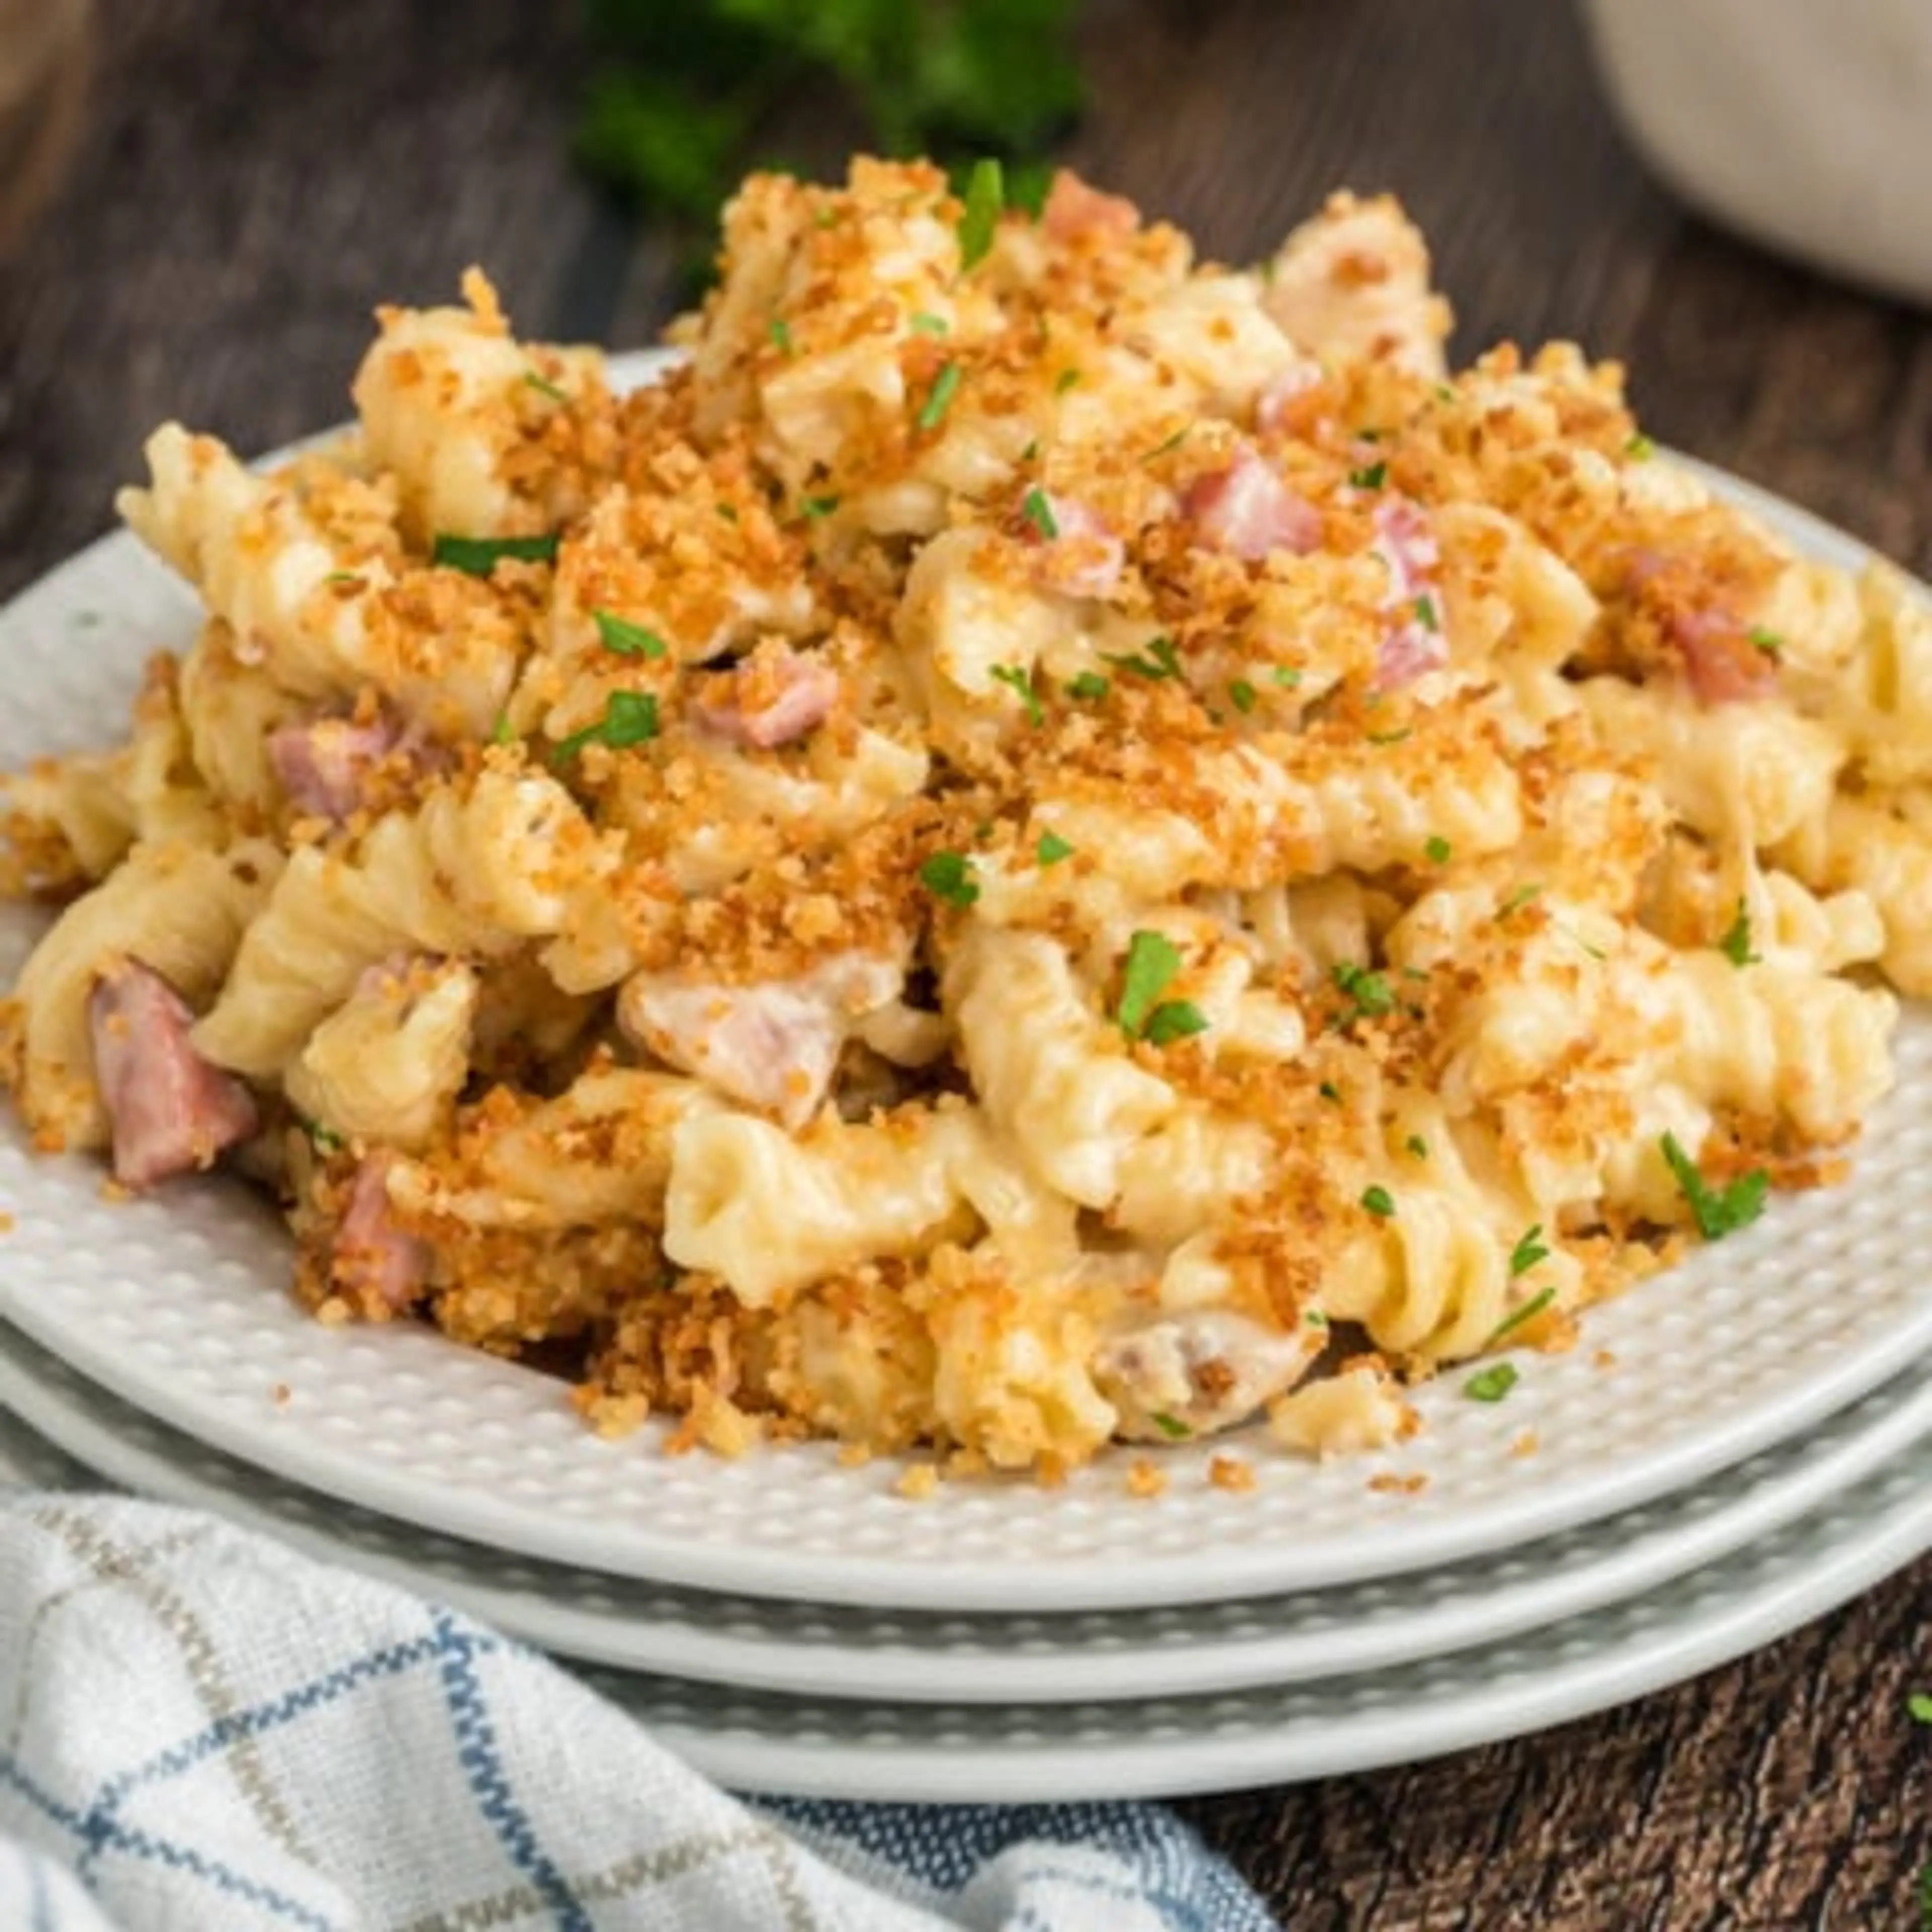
(1735, 1446)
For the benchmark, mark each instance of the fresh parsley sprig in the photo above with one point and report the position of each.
(1152, 962)
(1718, 1211)
(630, 717)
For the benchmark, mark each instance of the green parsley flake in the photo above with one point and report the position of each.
(985, 198)
(1768, 641)
(627, 640)
(949, 876)
(1517, 900)
(630, 717)
(1051, 849)
(1425, 613)
(1173, 1020)
(1518, 1317)
(479, 556)
(1330, 1092)
(1088, 685)
(925, 324)
(1369, 992)
(1168, 445)
(1391, 737)
(726, 511)
(1020, 682)
(815, 507)
(1528, 1252)
(1039, 512)
(945, 386)
(1161, 660)
(326, 1139)
(1379, 1202)
(1735, 945)
(1065, 380)
(502, 732)
(1919, 1704)
(1639, 448)
(1314, 1318)
(1242, 695)
(779, 330)
(1169, 1425)
(1718, 1211)
(1435, 849)
(1152, 960)
(1286, 676)
(543, 386)
(1372, 478)
(1418, 1146)
(1493, 1384)
(342, 577)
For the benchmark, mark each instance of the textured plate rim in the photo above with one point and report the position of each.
(88, 1424)
(1384, 1547)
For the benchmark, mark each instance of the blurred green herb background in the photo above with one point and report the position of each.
(683, 98)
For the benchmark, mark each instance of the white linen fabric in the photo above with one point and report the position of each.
(201, 1730)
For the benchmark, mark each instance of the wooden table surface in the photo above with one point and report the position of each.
(252, 179)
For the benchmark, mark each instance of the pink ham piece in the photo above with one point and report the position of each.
(325, 765)
(1073, 211)
(1414, 643)
(374, 1261)
(1083, 558)
(171, 1111)
(1248, 511)
(776, 698)
(1722, 664)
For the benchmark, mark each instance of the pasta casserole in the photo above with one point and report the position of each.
(1040, 844)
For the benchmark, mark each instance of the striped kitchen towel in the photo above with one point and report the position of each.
(201, 1729)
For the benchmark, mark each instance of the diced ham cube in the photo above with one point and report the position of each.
(1084, 558)
(773, 698)
(374, 1261)
(1722, 664)
(325, 765)
(171, 1111)
(1247, 511)
(1074, 212)
(1414, 643)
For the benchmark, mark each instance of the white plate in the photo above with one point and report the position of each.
(176, 1304)
(823, 1650)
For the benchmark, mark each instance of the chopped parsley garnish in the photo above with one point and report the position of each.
(779, 330)
(1051, 849)
(1039, 512)
(1167, 444)
(922, 323)
(1735, 945)
(326, 1139)
(1020, 682)
(1369, 992)
(1517, 900)
(986, 197)
(543, 386)
(816, 507)
(1391, 737)
(1242, 695)
(479, 556)
(1379, 1202)
(1425, 613)
(1088, 684)
(1528, 1251)
(1161, 660)
(1639, 447)
(1444, 393)
(627, 639)
(502, 732)
(1152, 960)
(1173, 1020)
(1314, 1318)
(727, 511)
(949, 876)
(1718, 1211)
(1065, 380)
(1330, 1092)
(1768, 641)
(1518, 1317)
(630, 717)
(945, 386)
(1493, 1384)
(1287, 675)
(1169, 1425)
(342, 577)
(1919, 1704)
(1418, 1146)
(1372, 477)
(1435, 849)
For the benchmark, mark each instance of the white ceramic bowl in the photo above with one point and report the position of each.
(1806, 123)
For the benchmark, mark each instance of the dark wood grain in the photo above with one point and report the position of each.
(252, 179)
